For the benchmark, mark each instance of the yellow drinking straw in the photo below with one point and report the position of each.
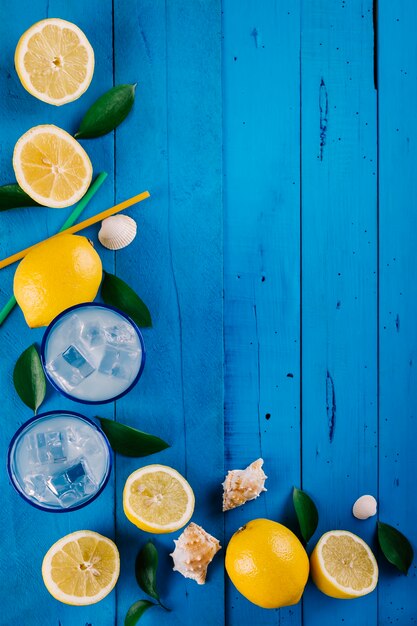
(75, 229)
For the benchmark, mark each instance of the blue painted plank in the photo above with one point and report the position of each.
(172, 145)
(27, 533)
(261, 92)
(397, 96)
(339, 264)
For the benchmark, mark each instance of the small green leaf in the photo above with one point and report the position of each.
(116, 292)
(145, 570)
(307, 514)
(395, 547)
(130, 441)
(136, 611)
(107, 112)
(29, 378)
(13, 197)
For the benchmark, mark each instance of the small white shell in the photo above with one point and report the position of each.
(243, 485)
(364, 507)
(117, 232)
(194, 550)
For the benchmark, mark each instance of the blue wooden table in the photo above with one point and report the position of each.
(278, 257)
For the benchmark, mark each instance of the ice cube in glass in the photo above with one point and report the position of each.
(118, 362)
(120, 334)
(46, 447)
(72, 484)
(70, 368)
(35, 485)
(93, 334)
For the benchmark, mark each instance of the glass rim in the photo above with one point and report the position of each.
(48, 330)
(17, 487)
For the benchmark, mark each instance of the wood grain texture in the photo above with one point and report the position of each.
(339, 281)
(397, 66)
(262, 264)
(176, 265)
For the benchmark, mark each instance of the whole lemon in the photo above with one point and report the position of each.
(57, 274)
(267, 564)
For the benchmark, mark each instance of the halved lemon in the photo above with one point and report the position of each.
(51, 166)
(343, 566)
(54, 61)
(157, 499)
(81, 568)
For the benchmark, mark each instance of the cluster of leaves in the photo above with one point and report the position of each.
(393, 544)
(101, 118)
(145, 570)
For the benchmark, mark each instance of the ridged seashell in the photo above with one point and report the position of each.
(194, 550)
(364, 507)
(243, 485)
(117, 232)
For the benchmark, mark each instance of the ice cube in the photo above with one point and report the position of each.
(54, 443)
(84, 440)
(38, 452)
(121, 334)
(65, 375)
(35, 486)
(93, 334)
(77, 436)
(72, 484)
(76, 359)
(73, 327)
(46, 448)
(118, 362)
(70, 368)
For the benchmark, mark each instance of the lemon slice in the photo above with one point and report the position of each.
(54, 61)
(51, 166)
(343, 566)
(81, 568)
(157, 499)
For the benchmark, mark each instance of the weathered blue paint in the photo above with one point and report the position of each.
(261, 71)
(339, 281)
(317, 255)
(397, 65)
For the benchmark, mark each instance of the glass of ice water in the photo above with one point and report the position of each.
(93, 353)
(59, 461)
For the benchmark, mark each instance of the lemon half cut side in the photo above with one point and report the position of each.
(81, 568)
(51, 166)
(54, 61)
(157, 499)
(343, 565)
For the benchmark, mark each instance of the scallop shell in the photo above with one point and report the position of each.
(117, 232)
(194, 550)
(243, 485)
(364, 507)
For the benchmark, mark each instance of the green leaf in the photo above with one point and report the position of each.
(130, 441)
(395, 547)
(145, 570)
(116, 292)
(29, 378)
(307, 514)
(136, 611)
(107, 112)
(13, 197)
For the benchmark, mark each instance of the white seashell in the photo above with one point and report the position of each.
(194, 550)
(364, 507)
(243, 485)
(117, 232)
